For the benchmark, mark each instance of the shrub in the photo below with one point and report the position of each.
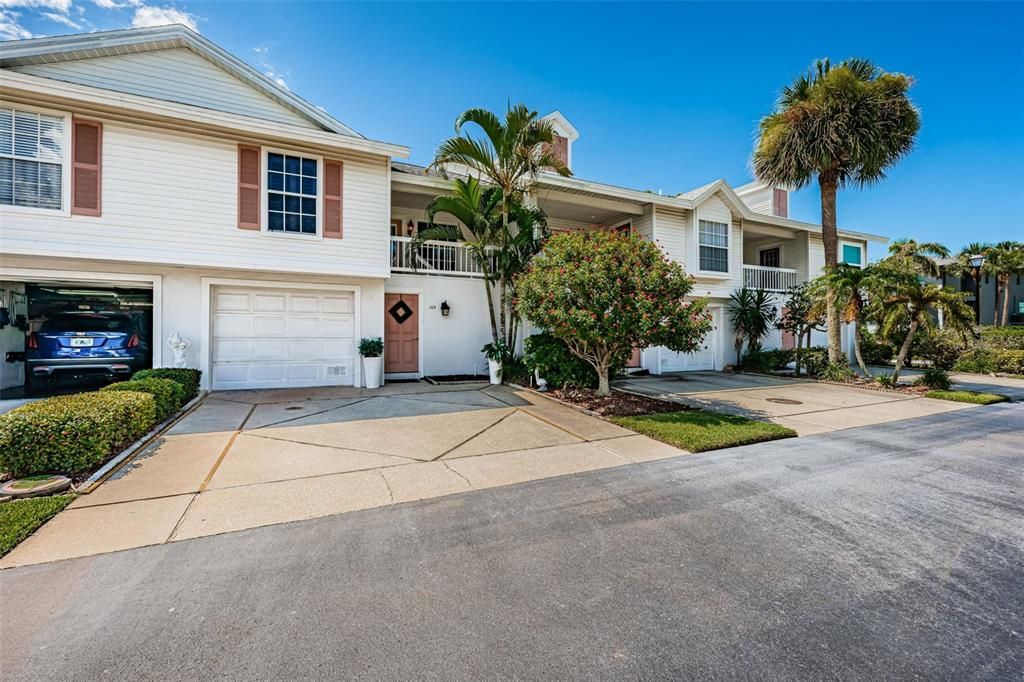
(934, 378)
(973, 397)
(940, 347)
(836, 371)
(1006, 338)
(188, 378)
(765, 361)
(875, 350)
(982, 360)
(168, 394)
(371, 348)
(886, 380)
(556, 364)
(814, 359)
(72, 433)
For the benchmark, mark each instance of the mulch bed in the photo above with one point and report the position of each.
(618, 404)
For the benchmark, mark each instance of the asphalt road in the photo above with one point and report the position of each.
(890, 551)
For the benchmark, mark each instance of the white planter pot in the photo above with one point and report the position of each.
(495, 369)
(371, 372)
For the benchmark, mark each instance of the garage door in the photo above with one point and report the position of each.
(703, 359)
(268, 338)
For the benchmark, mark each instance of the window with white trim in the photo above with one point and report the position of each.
(31, 159)
(292, 184)
(713, 239)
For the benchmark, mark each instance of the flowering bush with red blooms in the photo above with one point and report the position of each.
(605, 293)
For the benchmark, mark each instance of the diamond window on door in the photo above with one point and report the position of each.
(400, 312)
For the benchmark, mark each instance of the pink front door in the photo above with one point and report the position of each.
(401, 333)
(634, 359)
(788, 339)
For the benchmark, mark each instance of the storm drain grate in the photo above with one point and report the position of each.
(784, 401)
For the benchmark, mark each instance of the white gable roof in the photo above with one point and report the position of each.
(234, 86)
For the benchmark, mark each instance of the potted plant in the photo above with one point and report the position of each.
(495, 352)
(371, 350)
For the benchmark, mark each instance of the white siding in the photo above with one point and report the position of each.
(815, 255)
(759, 201)
(172, 198)
(177, 75)
(670, 228)
(644, 224)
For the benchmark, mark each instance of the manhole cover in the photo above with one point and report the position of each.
(784, 401)
(293, 407)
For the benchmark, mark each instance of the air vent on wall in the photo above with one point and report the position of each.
(336, 371)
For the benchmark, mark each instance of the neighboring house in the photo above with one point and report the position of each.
(148, 171)
(985, 312)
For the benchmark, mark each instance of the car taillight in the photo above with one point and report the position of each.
(133, 341)
(32, 341)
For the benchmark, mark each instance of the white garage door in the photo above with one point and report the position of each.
(703, 359)
(270, 338)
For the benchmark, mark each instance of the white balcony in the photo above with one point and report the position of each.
(433, 258)
(769, 279)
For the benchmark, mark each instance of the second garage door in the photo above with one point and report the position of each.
(703, 359)
(269, 338)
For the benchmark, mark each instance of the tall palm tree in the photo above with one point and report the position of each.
(851, 285)
(909, 303)
(844, 125)
(477, 209)
(1004, 260)
(920, 256)
(525, 239)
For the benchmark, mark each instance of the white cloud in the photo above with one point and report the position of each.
(62, 19)
(148, 15)
(62, 6)
(10, 28)
(115, 4)
(268, 69)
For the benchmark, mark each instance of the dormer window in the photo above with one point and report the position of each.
(713, 240)
(292, 191)
(33, 146)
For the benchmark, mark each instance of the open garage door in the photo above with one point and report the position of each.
(269, 338)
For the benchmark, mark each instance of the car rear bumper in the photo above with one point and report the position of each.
(65, 366)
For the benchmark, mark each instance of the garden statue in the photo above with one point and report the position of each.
(179, 345)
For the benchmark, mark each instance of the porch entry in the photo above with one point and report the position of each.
(401, 333)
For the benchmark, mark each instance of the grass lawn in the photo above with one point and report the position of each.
(698, 431)
(967, 397)
(21, 518)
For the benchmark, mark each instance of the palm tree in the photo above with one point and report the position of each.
(1004, 260)
(850, 285)
(508, 156)
(524, 240)
(910, 302)
(752, 315)
(920, 256)
(844, 125)
(477, 209)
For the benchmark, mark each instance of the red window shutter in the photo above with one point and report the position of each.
(780, 203)
(248, 187)
(333, 181)
(86, 167)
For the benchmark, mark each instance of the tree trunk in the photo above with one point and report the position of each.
(904, 351)
(799, 342)
(856, 350)
(490, 303)
(830, 238)
(995, 301)
(603, 387)
(1006, 301)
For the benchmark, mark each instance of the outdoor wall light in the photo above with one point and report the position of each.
(445, 309)
(977, 261)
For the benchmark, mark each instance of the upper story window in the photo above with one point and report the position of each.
(713, 239)
(292, 193)
(32, 150)
(852, 255)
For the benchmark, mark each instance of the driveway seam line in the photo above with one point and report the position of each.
(331, 447)
(557, 426)
(481, 431)
(224, 452)
(311, 414)
(181, 518)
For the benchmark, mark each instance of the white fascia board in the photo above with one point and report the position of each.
(102, 101)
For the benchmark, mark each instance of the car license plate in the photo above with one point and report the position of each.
(79, 343)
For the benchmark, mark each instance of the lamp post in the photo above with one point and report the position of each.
(977, 261)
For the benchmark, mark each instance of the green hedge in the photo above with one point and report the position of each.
(72, 434)
(1006, 338)
(765, 361)
(188, 378)
(982, 360)
(168, 394)
(557, 365)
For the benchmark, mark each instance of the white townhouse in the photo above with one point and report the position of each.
(149, 172)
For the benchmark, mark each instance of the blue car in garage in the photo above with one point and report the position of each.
(78, 345)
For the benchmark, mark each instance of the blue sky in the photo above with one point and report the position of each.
(665, 96)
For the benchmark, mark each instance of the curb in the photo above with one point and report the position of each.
(129, 453)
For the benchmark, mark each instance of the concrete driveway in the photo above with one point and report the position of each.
(253, 458)
(808, 407)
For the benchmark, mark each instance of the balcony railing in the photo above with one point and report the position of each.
(433, 258)
(769, 279)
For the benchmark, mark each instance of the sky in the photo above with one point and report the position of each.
(666, 96)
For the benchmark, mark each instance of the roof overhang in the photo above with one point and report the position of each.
(185, 117)
(126, 41)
